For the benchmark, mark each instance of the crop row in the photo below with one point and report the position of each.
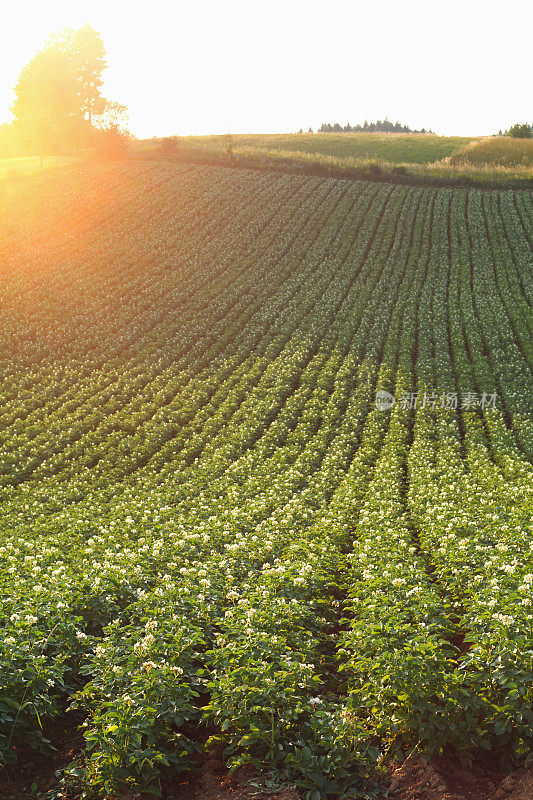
(206, 519)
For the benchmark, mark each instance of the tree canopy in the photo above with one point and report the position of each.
(521, 131)
(58, 94)
(89, 56)
(381, 126)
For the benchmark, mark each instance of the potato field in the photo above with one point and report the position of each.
(265, 473)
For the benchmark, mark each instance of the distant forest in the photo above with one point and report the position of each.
(385, 126)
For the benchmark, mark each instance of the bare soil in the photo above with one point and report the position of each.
(416, 779)
(214, 783)
(447, 779)
(33, 775)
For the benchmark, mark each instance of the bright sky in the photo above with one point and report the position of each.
(206, 66)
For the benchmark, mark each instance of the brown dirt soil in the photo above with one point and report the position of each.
(447, 779)
(415, 779)
(33, 768)
(212, 782)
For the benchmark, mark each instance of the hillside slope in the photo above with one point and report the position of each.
(399, 148)
(204, 511)
(497, 151)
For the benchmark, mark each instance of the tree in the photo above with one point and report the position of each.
(110, 133)
(169, 145)
(89, 56)
(113, 115)
(520, 131)
(58, 93)
(383, 126)
(46, 98)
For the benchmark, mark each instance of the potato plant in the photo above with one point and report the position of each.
(210, 531)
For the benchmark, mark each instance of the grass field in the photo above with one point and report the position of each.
(212, 526)
(422, 159)
(399, 148)
(497, 151)
(16, 167)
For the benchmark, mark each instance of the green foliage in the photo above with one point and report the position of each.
(39, 669)
(57, 96)
(422, 159)
(169, 145)
(110, 142)
(89, 56)
(395, 148)
(46, 106)
(141, 691)
(381, 126)
(520, 131)
(209, 529)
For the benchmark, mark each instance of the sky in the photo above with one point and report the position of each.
(459, 68)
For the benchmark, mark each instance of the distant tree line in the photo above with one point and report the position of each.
(520, 131)
(381, 126)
